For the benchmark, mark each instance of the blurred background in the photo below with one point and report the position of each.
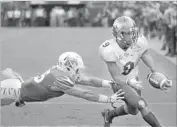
(156, 19)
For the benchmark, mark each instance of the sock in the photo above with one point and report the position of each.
(117, 112)
(152, 120)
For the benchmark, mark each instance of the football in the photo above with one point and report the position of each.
(157, 80)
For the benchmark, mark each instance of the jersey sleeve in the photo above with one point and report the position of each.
(106, 53)
(64, 83)
(143, 43)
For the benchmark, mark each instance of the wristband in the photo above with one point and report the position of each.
(106, 84)
(103, 99)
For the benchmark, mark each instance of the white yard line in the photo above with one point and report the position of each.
(84, 126)
(90, 103)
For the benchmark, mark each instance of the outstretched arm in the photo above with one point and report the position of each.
(94, 82)
(90, 96)
(67, 86)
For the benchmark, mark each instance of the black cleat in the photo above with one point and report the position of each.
(107, 120)
(20, 103)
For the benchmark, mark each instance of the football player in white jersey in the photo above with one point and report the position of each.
(122, 55)
(55, 82)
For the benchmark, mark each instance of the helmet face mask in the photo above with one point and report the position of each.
(71, 63)
(125, 31)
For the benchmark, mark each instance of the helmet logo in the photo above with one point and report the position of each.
(70, 63)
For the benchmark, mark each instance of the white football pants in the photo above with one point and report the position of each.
(10, 91)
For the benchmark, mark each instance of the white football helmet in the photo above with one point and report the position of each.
(125, 31)
(71, 62)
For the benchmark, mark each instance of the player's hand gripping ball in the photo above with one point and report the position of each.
(159, 81)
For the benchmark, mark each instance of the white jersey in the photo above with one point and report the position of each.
(127, 61)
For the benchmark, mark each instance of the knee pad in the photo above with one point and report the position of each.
(142, 104)
(134, 110)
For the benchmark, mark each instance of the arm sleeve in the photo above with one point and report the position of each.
(145, 44)
(91, 81)
(87, 95)
(63, 83)
(82, 93)
(148, 60)
(145, 56)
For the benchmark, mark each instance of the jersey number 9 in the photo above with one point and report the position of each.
(128, 67)
(106, 44)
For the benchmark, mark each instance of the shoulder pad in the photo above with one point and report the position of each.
(105, 52)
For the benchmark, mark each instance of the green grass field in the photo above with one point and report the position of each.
(30, 51)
